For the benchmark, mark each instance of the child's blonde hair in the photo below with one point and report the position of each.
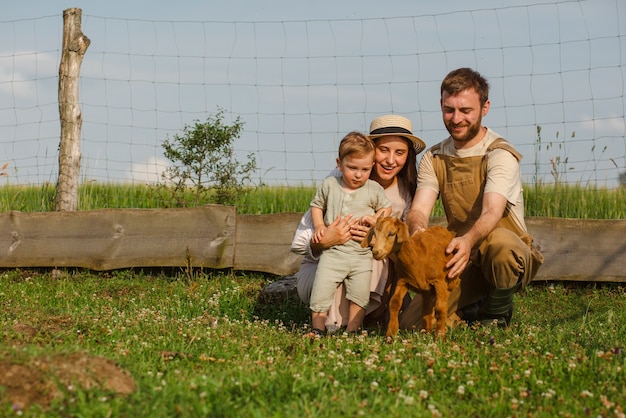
(357, 144)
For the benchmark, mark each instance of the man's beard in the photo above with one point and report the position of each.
(472, 131)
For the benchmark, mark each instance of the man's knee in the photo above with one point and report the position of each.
(505, 259)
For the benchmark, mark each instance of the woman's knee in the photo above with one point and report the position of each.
(304, 282)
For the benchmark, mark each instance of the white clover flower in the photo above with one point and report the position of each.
(434, 411)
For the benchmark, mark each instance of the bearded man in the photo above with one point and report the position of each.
(476, 173)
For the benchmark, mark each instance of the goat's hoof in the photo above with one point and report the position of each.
(389, 339)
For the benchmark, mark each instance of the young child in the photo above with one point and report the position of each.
(351, 193)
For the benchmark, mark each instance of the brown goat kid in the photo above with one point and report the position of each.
(420, 264)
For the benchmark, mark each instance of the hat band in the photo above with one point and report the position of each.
(391, 130)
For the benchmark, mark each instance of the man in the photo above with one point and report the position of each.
(477, 175)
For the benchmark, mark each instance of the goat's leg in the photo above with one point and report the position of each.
(441, 306)
(454, 283)
(395, 303)
(428, 304)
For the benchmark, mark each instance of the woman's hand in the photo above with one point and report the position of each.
(337, 233)
(360, 229)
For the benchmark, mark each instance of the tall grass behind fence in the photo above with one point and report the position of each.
(575, 201)
(560, 201)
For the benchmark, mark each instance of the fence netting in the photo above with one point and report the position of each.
(299, 86)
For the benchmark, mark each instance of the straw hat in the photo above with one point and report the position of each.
(398, 126)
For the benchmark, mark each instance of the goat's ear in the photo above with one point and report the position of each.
(403, 231)
(368, 238)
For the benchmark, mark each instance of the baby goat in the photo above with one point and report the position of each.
(420, 264)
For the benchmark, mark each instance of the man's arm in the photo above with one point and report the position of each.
(494, 205)
(419, 215)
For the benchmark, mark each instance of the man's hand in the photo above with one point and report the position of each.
(494, 205)
(461, 249)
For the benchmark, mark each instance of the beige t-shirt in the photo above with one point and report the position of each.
(400, 199)
(503, 172)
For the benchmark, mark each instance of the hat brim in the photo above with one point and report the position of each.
(418, 144)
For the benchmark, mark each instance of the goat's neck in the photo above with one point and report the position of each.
(405, 251)
(397, 246)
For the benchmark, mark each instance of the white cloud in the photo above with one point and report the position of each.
(611, 125)
(148, 171)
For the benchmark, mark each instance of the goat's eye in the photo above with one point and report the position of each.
(390, 234)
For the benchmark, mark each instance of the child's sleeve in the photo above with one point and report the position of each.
(381, 201)
(321, 195)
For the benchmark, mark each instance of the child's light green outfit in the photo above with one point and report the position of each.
(348, 263)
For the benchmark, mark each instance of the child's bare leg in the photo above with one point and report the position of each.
(318, 320)
(355, 317)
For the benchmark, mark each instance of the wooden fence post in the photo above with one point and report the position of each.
(75, 45)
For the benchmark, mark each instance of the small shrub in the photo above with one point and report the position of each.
(204, 168)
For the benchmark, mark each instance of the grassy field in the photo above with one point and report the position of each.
(206, 343)
(156, 344)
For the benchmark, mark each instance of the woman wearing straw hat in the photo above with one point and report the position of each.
(395, 170)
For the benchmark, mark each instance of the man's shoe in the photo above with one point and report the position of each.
(497, 308)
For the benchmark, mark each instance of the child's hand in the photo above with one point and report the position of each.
(318, 235)
(368, 221)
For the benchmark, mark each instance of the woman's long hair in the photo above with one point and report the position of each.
(408, 175)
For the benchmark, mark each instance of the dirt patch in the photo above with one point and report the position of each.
(44, 379)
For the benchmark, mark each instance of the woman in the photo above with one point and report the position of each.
(396, 170)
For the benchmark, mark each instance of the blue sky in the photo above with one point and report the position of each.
(248, 10)
(302, 74)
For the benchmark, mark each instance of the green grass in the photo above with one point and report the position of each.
(560, 201)
(575, 201)
(205, 343)
(210, 347)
